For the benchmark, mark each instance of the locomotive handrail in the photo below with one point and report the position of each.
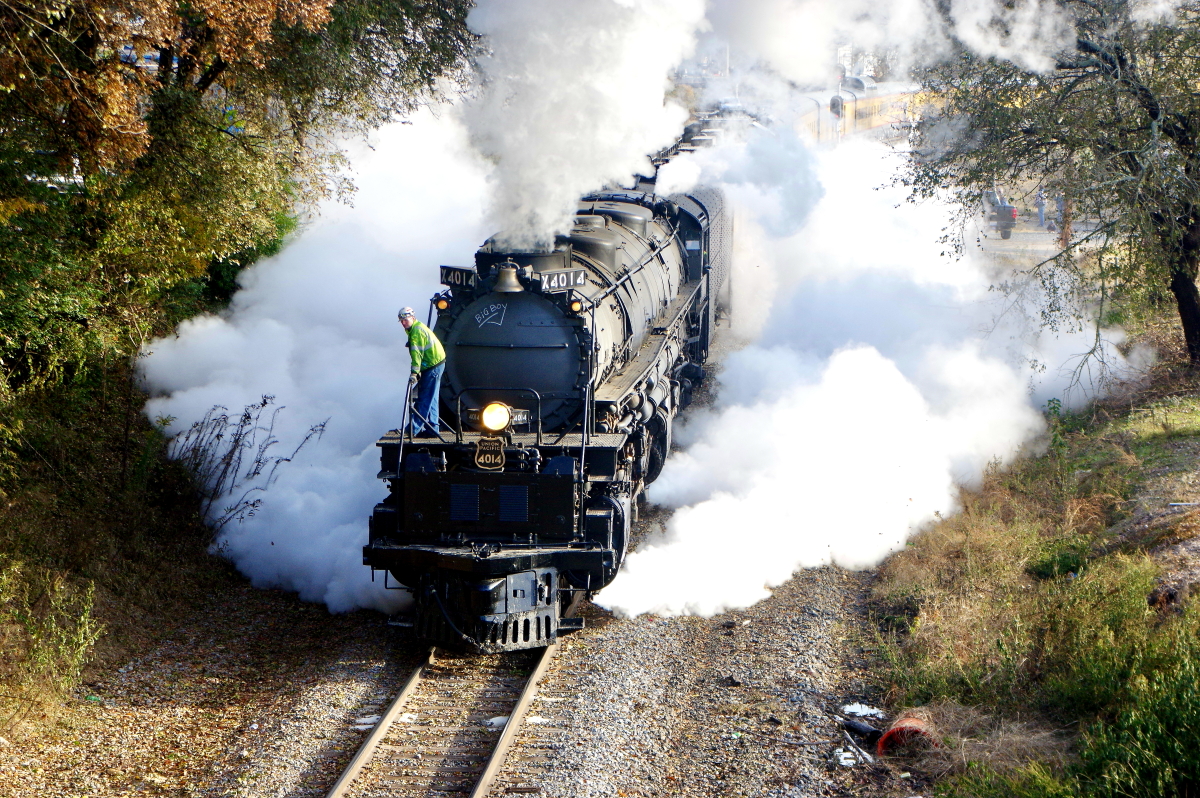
(510, 346)
(585, 432)
(404, 425)
(458, 406)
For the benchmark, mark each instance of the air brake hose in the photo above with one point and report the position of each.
(470, 643)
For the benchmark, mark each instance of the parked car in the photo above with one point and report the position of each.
(999, 213)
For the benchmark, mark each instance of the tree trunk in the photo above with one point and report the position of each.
(1187, 298)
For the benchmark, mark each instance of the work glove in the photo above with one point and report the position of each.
(413, 379)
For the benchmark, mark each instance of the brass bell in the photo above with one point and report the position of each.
(507, 282)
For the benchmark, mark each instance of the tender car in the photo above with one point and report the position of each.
(999, 213)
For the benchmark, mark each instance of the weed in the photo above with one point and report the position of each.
(217, 447)
(55, 632)
(1061, 557)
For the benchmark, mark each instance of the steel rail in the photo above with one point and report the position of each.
(499, 754)
(513, 726)
(367, 749)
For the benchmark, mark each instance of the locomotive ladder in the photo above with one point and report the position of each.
(435, 737)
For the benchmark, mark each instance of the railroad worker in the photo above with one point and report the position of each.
(428, 363)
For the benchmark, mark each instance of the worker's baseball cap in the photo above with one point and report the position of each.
(406, 312)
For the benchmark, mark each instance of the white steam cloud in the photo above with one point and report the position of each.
(571, 99)
(799, 38)
(316, 327)
(879, 383)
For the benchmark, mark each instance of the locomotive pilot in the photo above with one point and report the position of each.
(428, 362)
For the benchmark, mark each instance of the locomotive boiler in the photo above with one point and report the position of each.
(565, 370)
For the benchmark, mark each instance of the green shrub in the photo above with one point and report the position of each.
(50, 634)
(1147, 751)
(1150, 748)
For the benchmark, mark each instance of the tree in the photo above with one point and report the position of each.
(1113, 126)
(144, 143)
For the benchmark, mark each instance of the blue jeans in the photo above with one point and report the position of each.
(425, 409)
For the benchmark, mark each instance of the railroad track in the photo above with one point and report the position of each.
(442, 734)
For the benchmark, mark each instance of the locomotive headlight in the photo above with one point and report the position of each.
(496, 417)
(576, 305)
(442, 303)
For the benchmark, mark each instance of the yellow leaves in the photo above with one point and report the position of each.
(241, 27)
(12, 207)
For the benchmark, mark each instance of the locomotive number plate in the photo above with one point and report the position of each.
(458, 277)
(489, 453)
(552, 282)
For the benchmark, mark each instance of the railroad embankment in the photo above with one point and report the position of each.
(1049, 628)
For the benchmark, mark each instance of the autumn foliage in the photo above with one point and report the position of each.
(150, 148)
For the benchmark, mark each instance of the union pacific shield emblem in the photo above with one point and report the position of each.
(489, 453)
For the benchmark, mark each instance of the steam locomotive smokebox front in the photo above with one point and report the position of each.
(513, 343)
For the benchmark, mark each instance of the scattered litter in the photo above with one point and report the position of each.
(906, 775)
(537, 720)
(746, 622)
(861, 711)
(845, 757)
(733, 681)
(1183, 504)
(369, 719)
(862, 755)
(4, 743)
(407, 717)
(253, 725)
(863, 730)
(498, 722)
(95, 698)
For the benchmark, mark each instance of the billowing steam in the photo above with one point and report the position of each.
(798, 38)
(316, 328)
(882, 379)
(571, 99)
(871, 388)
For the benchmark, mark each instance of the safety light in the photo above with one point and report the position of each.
(496, 417)
(576, 305)
(442, 303)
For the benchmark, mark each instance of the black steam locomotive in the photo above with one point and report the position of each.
(564, 371)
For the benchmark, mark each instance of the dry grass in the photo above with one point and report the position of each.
(951, 594)
(969, 736)
(1024, 626)
(101, 544)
